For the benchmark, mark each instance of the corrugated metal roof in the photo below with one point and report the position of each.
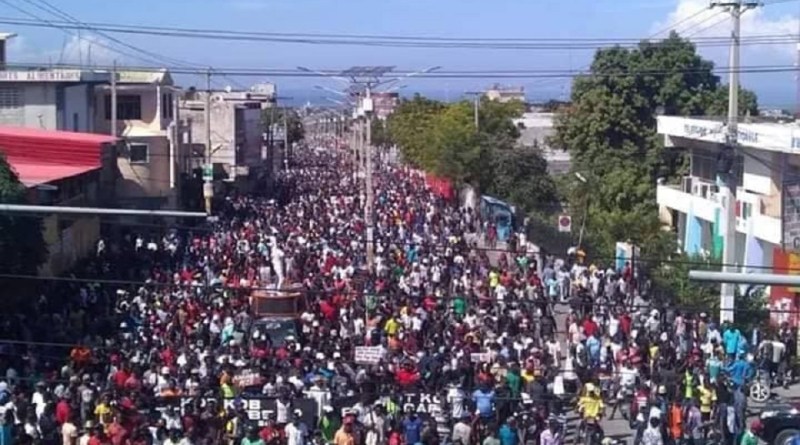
(32, 174)
(86, 138)
(42, 156)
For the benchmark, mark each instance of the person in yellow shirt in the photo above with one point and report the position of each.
(103, 411)
(494, 279)
(708, 397)
(590, 405)
(391, 326)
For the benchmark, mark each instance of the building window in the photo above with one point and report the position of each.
(139, 153)
(10, 97)
(75, 122)
(167, 112)
(129, 107)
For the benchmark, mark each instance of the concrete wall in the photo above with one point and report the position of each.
(78, 105)
(41, 106)
(253, 137)
(67, 246)
(145, 180)
(151, 113)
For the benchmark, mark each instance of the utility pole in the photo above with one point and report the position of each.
(368, 205)
(726, 175)
(208, 169)
(114, 100)
(286, 137)
(481, 152)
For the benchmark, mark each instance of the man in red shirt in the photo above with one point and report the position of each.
(62, 411)
(589, 326)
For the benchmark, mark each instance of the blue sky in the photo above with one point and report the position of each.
(445, 18)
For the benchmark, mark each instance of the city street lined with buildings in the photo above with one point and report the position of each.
(214, 264)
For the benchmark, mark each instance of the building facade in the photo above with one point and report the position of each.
(147, 116)
(767, 170)
(504, 94)
(237, 133)
(535, 131)
(64, 169)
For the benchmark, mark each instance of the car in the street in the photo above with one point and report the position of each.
(781, 422)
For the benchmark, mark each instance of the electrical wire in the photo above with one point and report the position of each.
(514, 74)
(372, 38)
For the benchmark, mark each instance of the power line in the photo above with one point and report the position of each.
(515, 74)
(47, 7)
(510, 44)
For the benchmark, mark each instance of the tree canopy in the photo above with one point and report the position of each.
(442, 139)
(21, 238)
(610, 132)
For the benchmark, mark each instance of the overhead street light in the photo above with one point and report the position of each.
(323, 74)
(331, 90)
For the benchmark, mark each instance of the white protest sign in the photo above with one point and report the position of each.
(479, 357)
(368, 355)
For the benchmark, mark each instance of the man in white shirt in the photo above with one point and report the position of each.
(69, 432)
(296, 431)
(455, 398)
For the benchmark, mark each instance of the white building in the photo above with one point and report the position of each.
(535, 130)
(767, 197)
(237, 144)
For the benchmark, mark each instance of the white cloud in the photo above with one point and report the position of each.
(713, 23)
(87, 50)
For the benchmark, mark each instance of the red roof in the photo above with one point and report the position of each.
(33, 174)
(42, 156)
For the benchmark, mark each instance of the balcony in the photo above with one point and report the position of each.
(700, 198)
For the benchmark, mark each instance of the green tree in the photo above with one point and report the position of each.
(410, 127)
(21, 240)
(610, 132)
(294, 123)
(519, 175)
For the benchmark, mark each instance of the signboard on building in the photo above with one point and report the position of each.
(790, 203)
(41, 76)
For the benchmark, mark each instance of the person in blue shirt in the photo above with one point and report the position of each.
(593, 345)
(714, 365)
(508, 433)
(484, 401)
(412, 428)
(739, 371)
(731, 337)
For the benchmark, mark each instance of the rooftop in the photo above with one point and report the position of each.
(32, 174)
(56, 136)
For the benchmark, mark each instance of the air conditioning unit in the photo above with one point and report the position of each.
(686, 184)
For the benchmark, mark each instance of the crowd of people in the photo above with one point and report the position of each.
(468, 344)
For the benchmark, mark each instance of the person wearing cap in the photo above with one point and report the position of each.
(296, 431)
(750, 436)
(345, 435)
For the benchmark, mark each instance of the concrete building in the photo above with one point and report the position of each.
(238, 151)
(535, 131)
(65, 169)
(384, 103)
(767, 194)
(505, 93)
(147, 116)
